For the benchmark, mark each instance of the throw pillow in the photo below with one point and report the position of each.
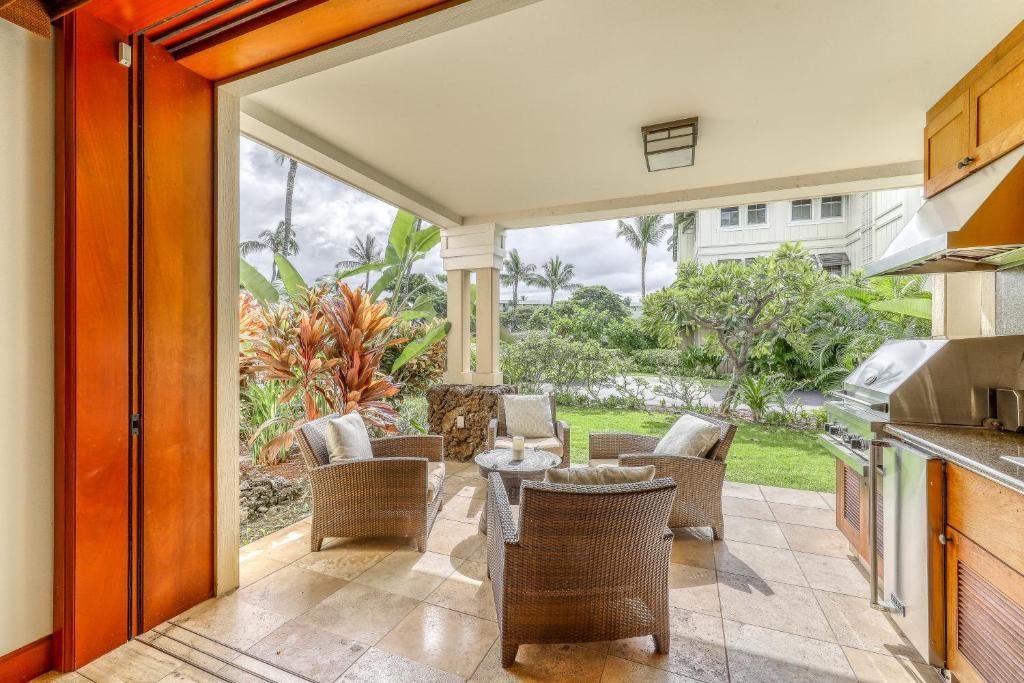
(347, 438)
(528, 416)
(690, 436)
(594, 476)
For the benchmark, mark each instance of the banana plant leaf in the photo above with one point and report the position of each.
(914, 308)
(401, 229)
(420, 345)
(259, 286)
(415, 315)
(293, 282)
(360, 270)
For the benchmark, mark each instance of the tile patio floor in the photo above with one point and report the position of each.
(778, 600)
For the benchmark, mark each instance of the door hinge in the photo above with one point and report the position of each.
(124, 54)
(135, 424)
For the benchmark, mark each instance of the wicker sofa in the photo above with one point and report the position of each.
(698, 501)
(397, 492)
(580, 564)
(498, 436)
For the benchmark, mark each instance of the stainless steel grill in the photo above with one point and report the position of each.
(922, 381)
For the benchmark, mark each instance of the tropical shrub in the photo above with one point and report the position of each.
(656, 361)
(566, 365)
(687, 392)
(628, 336)
(263, 416)
(421, 372)
(760, 393)
(323, 345)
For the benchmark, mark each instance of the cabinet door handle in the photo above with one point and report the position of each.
(965, 162)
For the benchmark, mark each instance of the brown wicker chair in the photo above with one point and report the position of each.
(581, 564)
(397, 492)
(498, 436)
(698, 500)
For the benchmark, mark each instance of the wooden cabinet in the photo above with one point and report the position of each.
(984, 579)
(979, 120)
(852, 511)
(984, 614)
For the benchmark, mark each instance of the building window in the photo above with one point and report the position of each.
(835, 263)
(831, 207)
(757, 214)
(801, 210)
(729, 217)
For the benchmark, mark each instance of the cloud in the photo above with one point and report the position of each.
(328, 215)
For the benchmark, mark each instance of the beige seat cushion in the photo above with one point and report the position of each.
(690, 436)
(347, 438)
(435, 475)
(528, 416)
(593, 476)
(549, 444)
(604, 462)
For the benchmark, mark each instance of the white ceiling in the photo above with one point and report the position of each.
(539, 109)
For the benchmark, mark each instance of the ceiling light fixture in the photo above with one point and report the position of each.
(670, 145)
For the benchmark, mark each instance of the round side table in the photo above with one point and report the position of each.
(532, 466)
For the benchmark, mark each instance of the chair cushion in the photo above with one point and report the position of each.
(593, 476)
(347, 438)
(435, 475)
(549, 444)
(528, 416)
(690, 436)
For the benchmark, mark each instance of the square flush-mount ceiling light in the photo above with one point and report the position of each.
(670, 145)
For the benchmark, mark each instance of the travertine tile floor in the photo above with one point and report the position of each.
(778, 600)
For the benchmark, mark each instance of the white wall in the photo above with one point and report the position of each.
(26, 342)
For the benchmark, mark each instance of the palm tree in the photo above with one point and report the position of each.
(289, 188)
(514, 272)
(644, 232)
(555, 275)
(278, 241)
(364, 252)
(281, 240)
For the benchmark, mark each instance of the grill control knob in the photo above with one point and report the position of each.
(859, 443)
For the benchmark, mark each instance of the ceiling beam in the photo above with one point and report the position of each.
(845, 181)
(58, 8)
(272, 130)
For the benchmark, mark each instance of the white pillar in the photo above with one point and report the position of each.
(479, 249)
(458, 336)
(488, 369)
(964, 304)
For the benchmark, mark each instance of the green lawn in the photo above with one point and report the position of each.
(774, 456)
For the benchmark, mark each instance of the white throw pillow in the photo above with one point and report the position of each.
(347, 438)
(689, 436)
(528, 416)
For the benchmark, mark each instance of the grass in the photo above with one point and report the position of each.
(774, 456)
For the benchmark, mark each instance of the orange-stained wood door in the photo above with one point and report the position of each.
(91, 453)
(176, 240)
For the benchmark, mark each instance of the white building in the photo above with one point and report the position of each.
(845, 232)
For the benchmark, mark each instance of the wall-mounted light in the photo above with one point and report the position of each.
(670, 145)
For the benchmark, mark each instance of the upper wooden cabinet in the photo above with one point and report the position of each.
(980, 119)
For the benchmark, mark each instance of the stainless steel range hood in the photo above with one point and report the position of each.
(977, 224)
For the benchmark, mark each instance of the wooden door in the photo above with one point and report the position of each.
(997, 108)
(176, 463)
(947, 145)
(984, 614)
(92, 467)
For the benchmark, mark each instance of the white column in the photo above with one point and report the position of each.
(964, 304)
(488, 370)
(479, 249)
(458, 336)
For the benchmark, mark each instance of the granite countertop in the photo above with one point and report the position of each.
(987, 452)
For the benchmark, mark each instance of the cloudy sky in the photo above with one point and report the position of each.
(328, 215)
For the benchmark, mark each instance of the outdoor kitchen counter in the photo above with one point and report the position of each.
(987, 452)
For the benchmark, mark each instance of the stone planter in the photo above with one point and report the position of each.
(477, 405)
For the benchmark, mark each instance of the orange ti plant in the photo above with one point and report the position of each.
(360, 330)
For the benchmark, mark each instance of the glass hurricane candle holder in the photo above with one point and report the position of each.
(518, 447)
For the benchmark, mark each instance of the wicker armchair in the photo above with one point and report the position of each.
(698, 500)
(498, 436)
(397, 492)
(581, 564)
